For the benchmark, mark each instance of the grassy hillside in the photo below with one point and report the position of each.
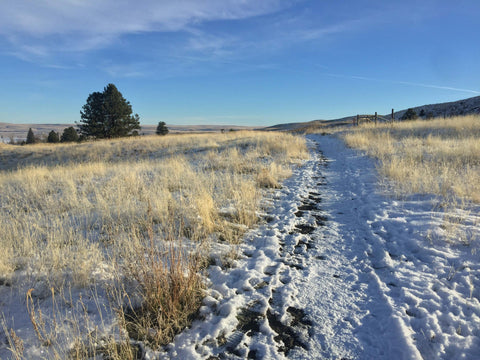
(470, 106)
(439, 156)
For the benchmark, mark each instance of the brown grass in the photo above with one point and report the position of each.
(171, 290)
(122, 209)
(440, 156)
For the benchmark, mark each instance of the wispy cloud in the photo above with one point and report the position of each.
(52, 32)
(407, 83)
(61, 34)
(132, 70)
(84, 25)
(438, 87)
(319, 32)
(45, 28)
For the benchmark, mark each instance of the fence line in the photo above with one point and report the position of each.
(370, 118)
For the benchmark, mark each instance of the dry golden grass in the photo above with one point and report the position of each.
(440, 156)
(81, 205)
(71, 212)
(144, 148)
(171, 292)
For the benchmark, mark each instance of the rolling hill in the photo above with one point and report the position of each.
(448, 109)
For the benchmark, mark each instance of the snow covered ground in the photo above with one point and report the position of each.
(338, 270)
(342, 271)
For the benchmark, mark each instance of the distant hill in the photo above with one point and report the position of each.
(310, 124)
(448, 109)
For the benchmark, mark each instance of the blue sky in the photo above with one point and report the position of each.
(243, 62)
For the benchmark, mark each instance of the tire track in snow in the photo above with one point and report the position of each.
(304, 287)
(252, 309)
(353, 315)
(428, 282)
(273, 328)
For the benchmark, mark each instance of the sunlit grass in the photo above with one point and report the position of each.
(74, 214)
(440, 156)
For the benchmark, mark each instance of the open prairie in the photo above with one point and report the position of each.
(357, 244)
(18, 132)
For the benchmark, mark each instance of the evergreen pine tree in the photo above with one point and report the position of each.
(108, 115)
(162, 128)
(69, 135)
(30, 137)
(410, 114)
(92, 123)
(53, 137)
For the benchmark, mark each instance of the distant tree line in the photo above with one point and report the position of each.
(105, 115)
(69, 135)
(411, 114)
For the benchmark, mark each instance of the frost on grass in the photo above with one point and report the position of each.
(106, 242)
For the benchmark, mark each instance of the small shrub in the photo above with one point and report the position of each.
(53, 137)
(171, 292)
(69, 135)
(162, 128)
(265, 179)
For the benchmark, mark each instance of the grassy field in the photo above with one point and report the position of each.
(137, 216)
(440, 156)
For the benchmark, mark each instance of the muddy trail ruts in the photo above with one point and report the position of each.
(290, 325)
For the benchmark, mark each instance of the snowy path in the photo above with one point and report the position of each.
(431, 286)
(354, 317)
(341, 272)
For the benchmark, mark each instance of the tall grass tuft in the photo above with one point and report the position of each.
(170, 288)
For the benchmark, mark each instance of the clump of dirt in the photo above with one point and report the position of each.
(286, 334)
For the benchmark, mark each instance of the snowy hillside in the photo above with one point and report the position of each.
(449, 109)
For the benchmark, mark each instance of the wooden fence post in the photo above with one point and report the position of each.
(376, 117)
(393, 116)
(357, 119)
